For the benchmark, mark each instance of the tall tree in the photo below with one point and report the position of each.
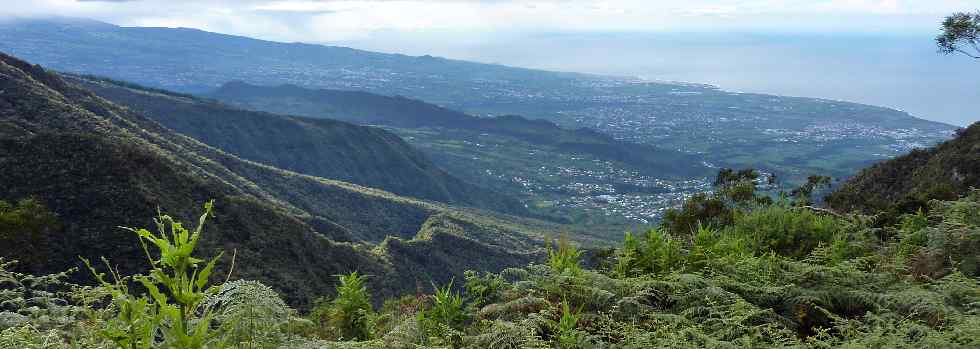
(961, 33)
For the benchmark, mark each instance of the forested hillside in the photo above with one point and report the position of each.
(579, 176)
(791, 136)
(366, 156)
(134, 217)
(368, 108)
(773, 274)
(907, 183)
(98, 166)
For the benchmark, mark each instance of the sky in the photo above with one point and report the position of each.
(871, 51)
(333, 20)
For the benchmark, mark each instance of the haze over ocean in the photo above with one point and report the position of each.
(901, 71)
(877, 52)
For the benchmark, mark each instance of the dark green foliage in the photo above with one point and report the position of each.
(483, 290)
(349, 315)
(949, 242)
(700, 209)
(447, 313)
(563, 257)
(961, 34)
(728, 290)
(654, 253)
(727, 177)
(805, 192)
(740, 272)
(172, 305)
(911, 233)
(568, 335)
(373, 109)
(786, 231)
(780, 276)
(732, 189)
(26, 231)
(367, 156)
(97, 166)
(906, 184)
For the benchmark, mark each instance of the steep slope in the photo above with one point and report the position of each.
(99, 166)
(354, 106)
(793, 137)
(906, 183)
(369, 108)
(366, 156)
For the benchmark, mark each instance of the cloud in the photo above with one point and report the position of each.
(330, 20)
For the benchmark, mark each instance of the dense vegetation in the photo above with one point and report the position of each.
(366, 156)
(777, 275)
(401, 112)
(906, 184)
(95, 166)
(787, 135)
(279, 259)
(559, 173)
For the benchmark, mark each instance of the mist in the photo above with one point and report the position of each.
(901, 71)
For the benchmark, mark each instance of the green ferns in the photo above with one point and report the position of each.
(657, 253)
(349, 315)
(775, 276)
(177, 285)
(563, 257)
(173, 306)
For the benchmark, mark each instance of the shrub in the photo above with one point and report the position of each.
(567, 333)
(564, 258)
(700, 209)
(483, 290)
(657, 254)
(446, 317)
(784, 230)
(249, 314)
(25, 229)
(177, 285)
(349, 315)
(950, 243)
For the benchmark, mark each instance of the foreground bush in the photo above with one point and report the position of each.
(775, 276)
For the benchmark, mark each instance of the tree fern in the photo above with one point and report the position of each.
(249, 314)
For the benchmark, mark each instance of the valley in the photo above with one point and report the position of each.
(793, 137)
(658, 141)
(574, 188)
(174, 188)
(690, 118)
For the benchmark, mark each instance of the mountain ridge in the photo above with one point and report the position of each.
(99, 166)
(399, 111)
(367, 156)
(793, 137)
(907, 183)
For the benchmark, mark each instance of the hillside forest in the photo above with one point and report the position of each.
(286, 231)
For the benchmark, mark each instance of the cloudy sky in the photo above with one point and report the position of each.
(878, 52)
(337, 20)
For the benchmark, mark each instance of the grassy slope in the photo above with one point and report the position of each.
(99, 166)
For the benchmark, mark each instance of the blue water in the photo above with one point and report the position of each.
(898, 71)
